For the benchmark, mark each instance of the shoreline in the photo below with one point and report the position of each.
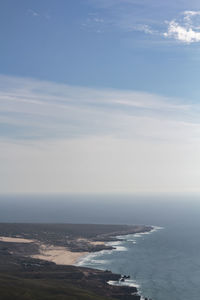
(59, 255)
(120, 238)
(72, 250)
(113, 244)
(50, 249)
(63, 256)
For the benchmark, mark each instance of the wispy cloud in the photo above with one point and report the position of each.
(144, 17)
(57, 138)
(186, 29)
(43, 109)
(144, 28)
(181, 33)
(95, 23)
(189, 14)
(33, 13)
(117, 15)
(36, 14)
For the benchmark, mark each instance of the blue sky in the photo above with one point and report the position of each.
(99, 96)
(117, 44)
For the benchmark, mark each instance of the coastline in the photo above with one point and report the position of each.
(43, 250)
(116, 244)
(59, 255)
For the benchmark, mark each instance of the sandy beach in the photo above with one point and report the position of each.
(15, 240)
(95, 243)
(59, 255)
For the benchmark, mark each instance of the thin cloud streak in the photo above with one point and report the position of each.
(57, 138)
(33, 13)
(62, 111)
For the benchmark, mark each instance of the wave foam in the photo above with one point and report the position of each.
(127, 282)
(117, 245)
(131, 237)
(92, 258)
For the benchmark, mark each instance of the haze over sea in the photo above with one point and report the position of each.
(165, 264)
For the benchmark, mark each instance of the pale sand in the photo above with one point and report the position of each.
(15, 240)
(59, 255)
(97, 243)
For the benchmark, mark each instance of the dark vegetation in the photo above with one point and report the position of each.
(56, 231)
(47, 289)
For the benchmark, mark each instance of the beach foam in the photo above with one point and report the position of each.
(117, 245)
(127, 282)
(92, 258)
(95, 260)
(133, 237)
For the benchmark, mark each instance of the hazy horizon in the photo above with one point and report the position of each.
(107, 209)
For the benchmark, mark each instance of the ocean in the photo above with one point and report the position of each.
(164, 264)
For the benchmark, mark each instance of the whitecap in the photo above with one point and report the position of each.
(131, 237)
(92, 258)
(132, 241)
(155, 228)
(138, 235)
(127, 282)
(120, 248)
(117, 245)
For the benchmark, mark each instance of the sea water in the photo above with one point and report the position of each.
(164, 264)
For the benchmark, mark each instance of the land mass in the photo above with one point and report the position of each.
(31, 266)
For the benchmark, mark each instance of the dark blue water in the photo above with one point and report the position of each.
(165, 263)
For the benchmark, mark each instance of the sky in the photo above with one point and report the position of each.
(99, 96)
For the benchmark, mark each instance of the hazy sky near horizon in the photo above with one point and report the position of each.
(99, 96)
